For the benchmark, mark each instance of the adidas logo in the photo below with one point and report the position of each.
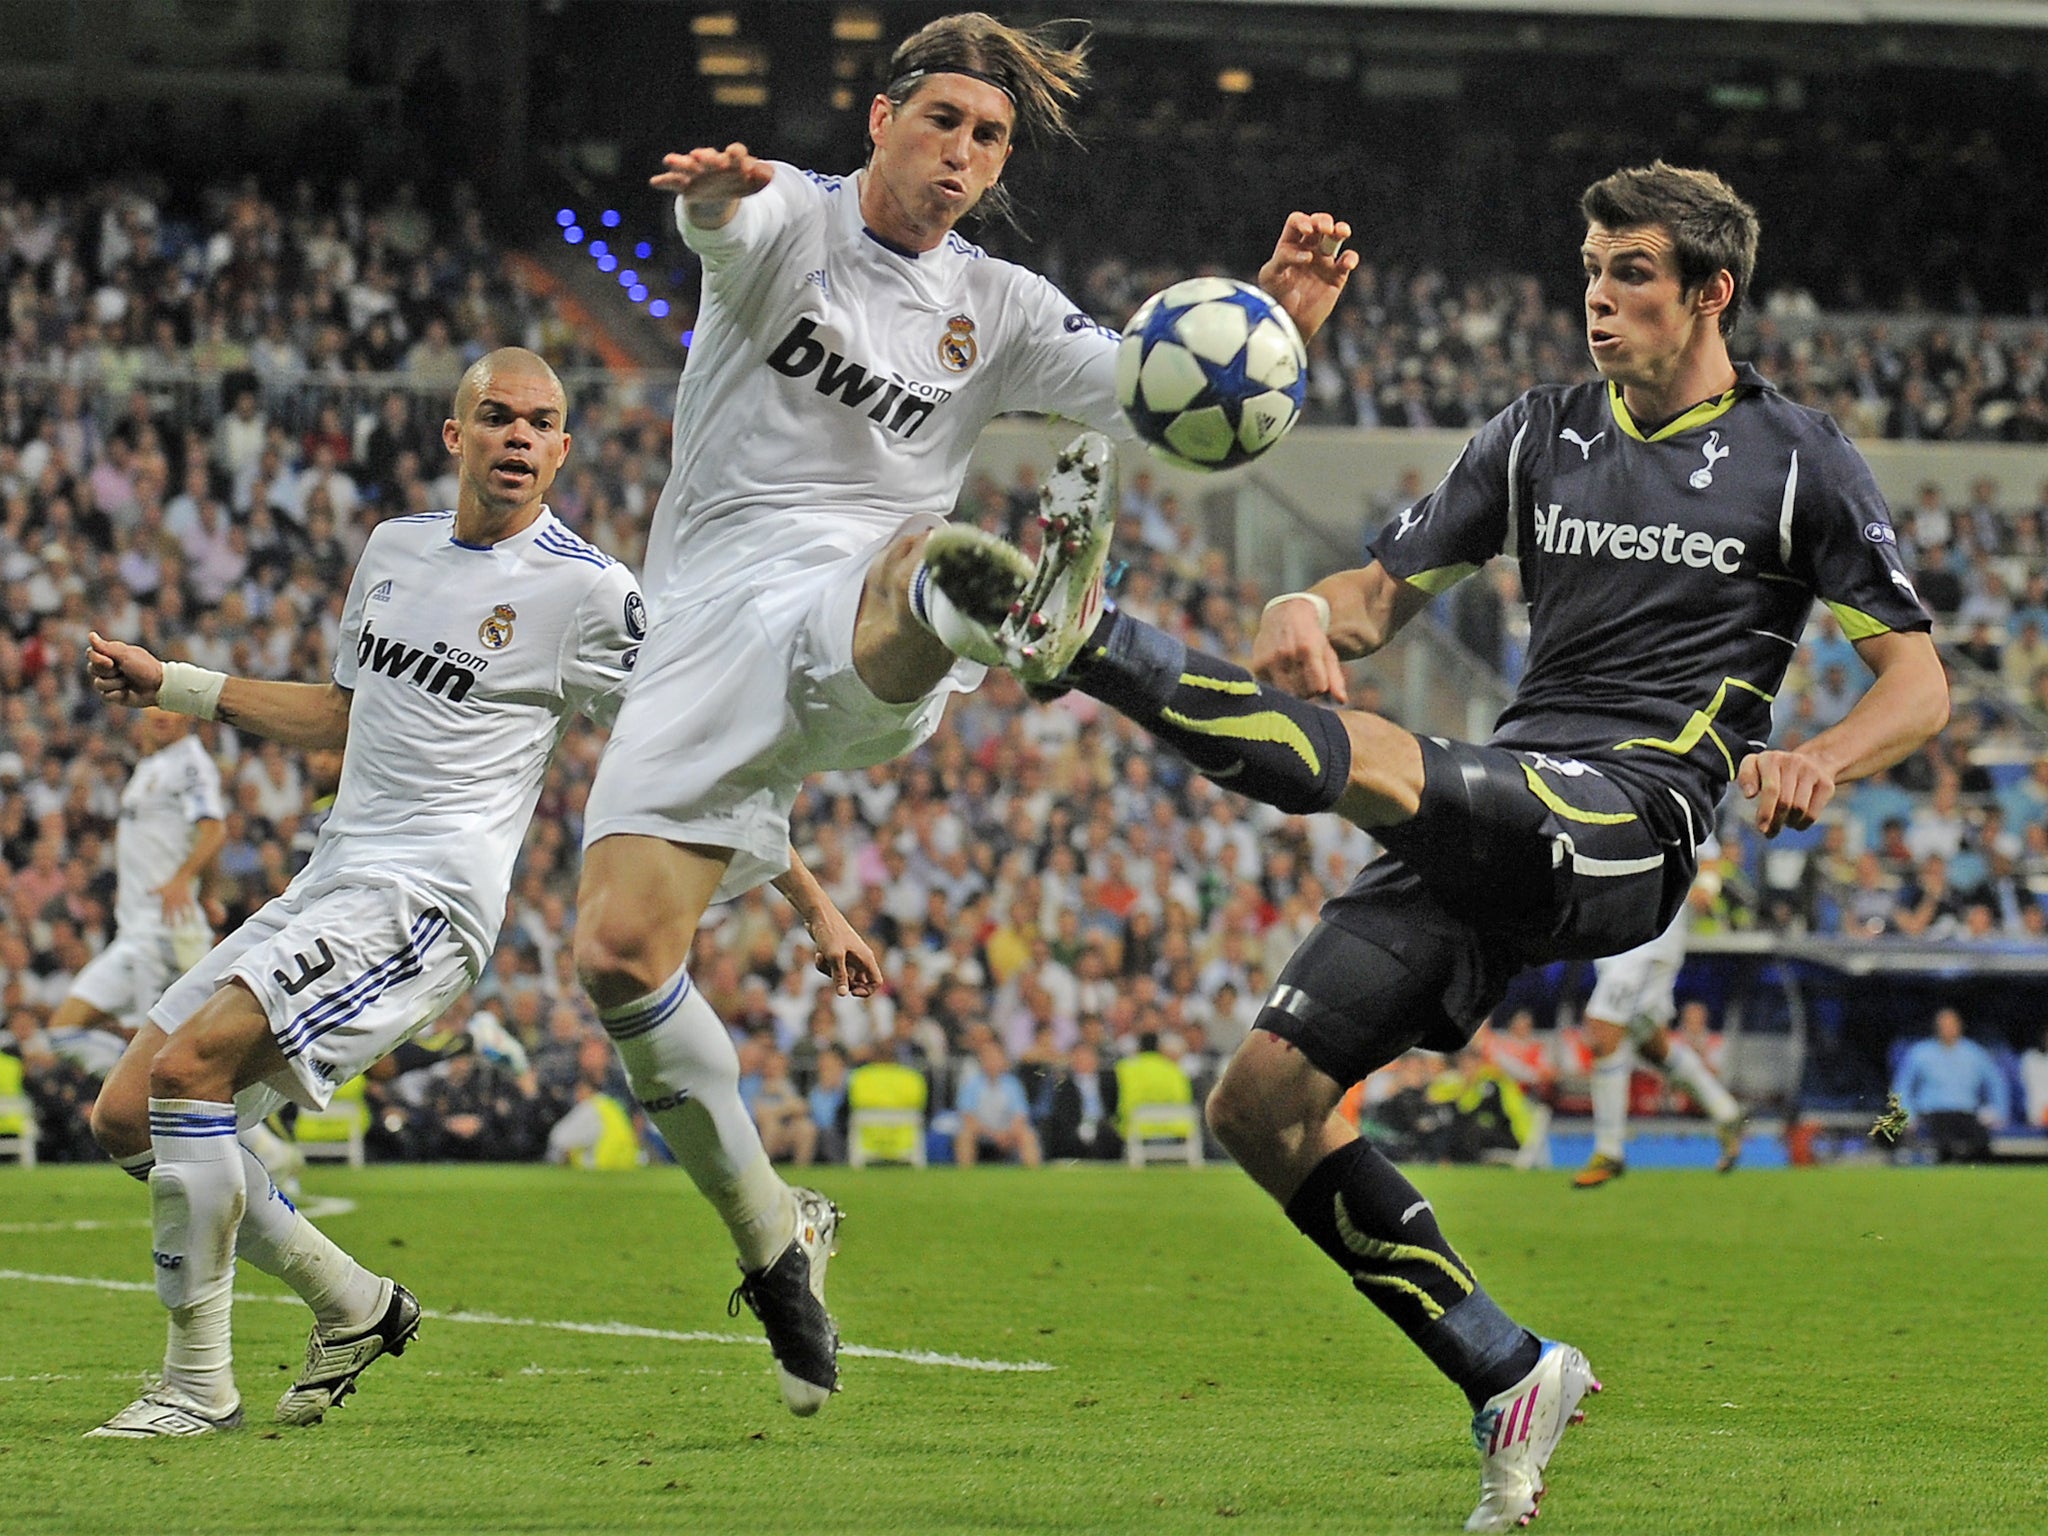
(381, 593)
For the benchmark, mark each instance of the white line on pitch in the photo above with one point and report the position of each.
(314, 1208)
(610, 1330)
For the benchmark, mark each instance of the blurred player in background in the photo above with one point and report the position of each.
(849, 350)
(468, 638)
(1633, 1004)
(173, 820)
(1674, 524)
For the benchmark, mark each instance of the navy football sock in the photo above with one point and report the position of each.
(1361, 1211)
(1257, 740)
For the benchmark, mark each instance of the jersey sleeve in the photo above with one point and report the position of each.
(756, 223)
(200, 796)
(351, 632)
(1466, 520)
(605, 644)
(1836, 535)
(1064, 363)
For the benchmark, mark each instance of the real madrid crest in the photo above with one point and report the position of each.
(957, 348)
(495, 633)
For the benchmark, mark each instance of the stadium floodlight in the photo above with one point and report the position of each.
(644, 250)
(687, 337)
(610, 218)
(599, 248)
(637, 293)
(607, 263)
(573, 234)
(658, 309)
(628, 278)
(566, 217)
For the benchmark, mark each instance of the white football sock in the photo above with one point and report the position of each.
(686, 1076)
(344, 1296)
(196, 1195)
(1610, 1099)
(1683, 1066)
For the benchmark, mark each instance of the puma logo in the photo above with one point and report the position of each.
(1583, 444)
(1410, 1214)
(1410, 520)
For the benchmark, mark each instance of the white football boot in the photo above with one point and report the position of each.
(334, 1361)
(1062, 602)
(788, 1296)
(1517, 1431)
(162, 1411)
(983, 578)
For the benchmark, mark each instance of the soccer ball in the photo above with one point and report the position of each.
(1211, 372)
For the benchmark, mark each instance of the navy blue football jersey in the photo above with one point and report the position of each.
(1668, 574)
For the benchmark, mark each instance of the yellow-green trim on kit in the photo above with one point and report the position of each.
(1566, 809)
(1702, 725)
(1856, 624)
(1698, 416)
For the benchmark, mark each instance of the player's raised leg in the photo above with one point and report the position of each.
(640, 902)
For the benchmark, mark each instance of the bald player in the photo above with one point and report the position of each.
(467, 640)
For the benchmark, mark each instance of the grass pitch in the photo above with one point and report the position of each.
(1851, 1350)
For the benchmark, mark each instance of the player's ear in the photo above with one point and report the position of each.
(1715, 295)
(451, 436)
(881, 112)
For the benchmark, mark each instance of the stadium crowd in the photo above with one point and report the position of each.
(188, 459)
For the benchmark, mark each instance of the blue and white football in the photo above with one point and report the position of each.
(1211, 372)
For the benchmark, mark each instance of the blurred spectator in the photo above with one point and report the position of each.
(994, 1119)
(783, 1115)
(2034, 1080)
(1082, 1119)
(1953, 1090)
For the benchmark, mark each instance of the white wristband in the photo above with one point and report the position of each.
(190, 690)
(1321, 604)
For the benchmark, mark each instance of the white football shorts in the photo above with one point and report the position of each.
(130, 974)
(1634, 988)
(346, 974)
(737, 698)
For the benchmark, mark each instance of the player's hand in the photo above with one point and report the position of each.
(1308, 269)
(1790, 790)
(179, 904)
(843, 954)
(713, 175)
(1292, 652)
(123, 673)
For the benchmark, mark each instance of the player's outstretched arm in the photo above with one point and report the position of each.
(711, 182)
(1303, 649)
(307, 715)
(1309, 268)
(842, 953)
(1897, 714)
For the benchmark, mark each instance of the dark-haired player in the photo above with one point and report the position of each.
(850, 348)
(1674, 524)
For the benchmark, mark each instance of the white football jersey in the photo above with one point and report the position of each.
(466, 662)
(832, 373)
(167, 796)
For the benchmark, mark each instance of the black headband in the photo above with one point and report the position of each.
(950, 69)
